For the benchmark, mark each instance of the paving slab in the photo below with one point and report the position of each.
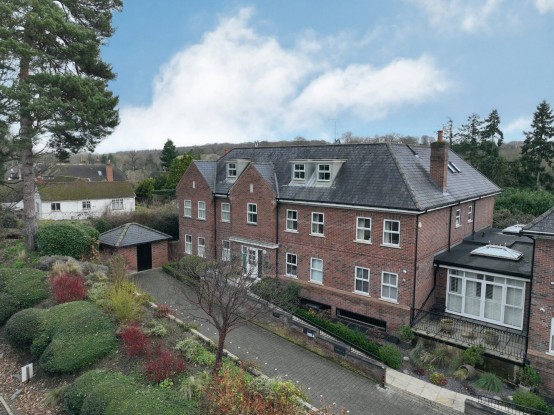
(321, 378)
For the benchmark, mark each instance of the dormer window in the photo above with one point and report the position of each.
(299, 172)
(231, 170)
(323, 172)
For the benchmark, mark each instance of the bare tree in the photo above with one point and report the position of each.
(221, 291)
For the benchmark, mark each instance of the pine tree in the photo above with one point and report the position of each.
(168, 154)
(468, 139)
(489, 161)
(538, 148)
(53, 83)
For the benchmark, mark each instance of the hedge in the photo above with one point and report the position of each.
(65, 338)
(20, 288)
(532, 400)
(63, 238)
(23, 327)
(99, 392)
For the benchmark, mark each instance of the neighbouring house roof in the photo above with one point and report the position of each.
(132, 234)
(81, 190)
(542, 225)
(389, 176)
(90, 172)
(463, 255)
(11, 192)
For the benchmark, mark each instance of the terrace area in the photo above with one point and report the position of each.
(499, 342)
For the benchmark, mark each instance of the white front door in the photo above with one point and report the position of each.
(250, 261)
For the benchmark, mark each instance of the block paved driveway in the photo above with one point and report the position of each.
(275, 356)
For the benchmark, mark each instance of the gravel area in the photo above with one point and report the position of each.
(22, 398)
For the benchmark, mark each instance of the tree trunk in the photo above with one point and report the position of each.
(219, 352)
(27, 161)
(27, 156)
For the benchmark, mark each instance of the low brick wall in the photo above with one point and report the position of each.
(369, 366)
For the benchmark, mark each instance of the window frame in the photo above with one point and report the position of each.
(291, 221)
(551, 347)
(312, 269)
(55, 207)
(299, 171)
(117, 204)
(201, 247)
(85, 205)
(363, 229)
(470, 214)
(390, 286)
(318, 224)
(325, 173)
(485, 280)
(391, 232)
(231, 169)
(292, 265)
(362, 280)
(188, 244)
(252, 215)
(226, 250)
(201, 214)
(458, 216)
(187, 208)
(225, 212)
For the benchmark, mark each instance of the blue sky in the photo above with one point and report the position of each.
(201, 71)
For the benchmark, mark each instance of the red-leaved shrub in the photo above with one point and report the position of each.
(163, 365)
(67, 287)
(134, 340)
(162, 310)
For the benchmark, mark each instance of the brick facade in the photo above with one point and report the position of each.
(160, 254)
(337, 247)
(542, 314)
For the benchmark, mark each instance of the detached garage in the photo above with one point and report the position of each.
(142, 247)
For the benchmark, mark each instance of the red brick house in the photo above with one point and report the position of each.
(357, 226)
(381, 235)
(540, 351)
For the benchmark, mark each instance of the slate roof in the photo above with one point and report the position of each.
(81, 190)
(207, 169)
(268, 174)
(542, 225)
(460, 255)
(388, 176)
(90, 172)
(132, 234)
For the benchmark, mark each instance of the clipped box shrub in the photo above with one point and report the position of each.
(19, 289)
(65, 338)
(62, 238)
(100, 392)
(24, 327)
(8, 306)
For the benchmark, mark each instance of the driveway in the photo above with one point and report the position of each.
(275, 356)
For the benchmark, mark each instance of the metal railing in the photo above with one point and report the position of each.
(499, 342)
(508, 407)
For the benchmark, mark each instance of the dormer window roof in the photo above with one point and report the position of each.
(498, 251)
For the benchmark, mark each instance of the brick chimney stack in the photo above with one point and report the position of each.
(439, 162)
(109, 171)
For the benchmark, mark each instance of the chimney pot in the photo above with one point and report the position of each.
(439, 136)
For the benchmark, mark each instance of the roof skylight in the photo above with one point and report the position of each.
(498, 251)
(515, 229)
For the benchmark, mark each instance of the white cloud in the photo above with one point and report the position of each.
(544, 6)
(514, 129)
(238, 85)
(469, 15)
